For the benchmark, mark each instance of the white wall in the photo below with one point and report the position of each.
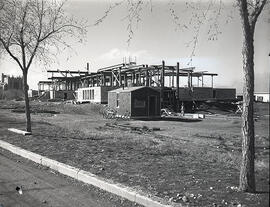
(97, 94)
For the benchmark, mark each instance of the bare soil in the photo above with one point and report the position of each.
(196, 160)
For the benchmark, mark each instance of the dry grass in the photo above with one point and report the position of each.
(11, 94)
(181, 158)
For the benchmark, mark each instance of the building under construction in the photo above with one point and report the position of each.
(62, 84)
(94, 86)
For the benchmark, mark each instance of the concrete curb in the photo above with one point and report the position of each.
(85, 177)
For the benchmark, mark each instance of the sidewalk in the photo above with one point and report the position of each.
(86, 177)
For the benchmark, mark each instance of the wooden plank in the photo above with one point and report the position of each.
(18, 131)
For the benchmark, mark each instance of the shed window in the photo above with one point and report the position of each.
(139, 103)
(117, 99)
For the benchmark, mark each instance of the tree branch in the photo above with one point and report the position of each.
(257, 11)
(32, 27)
(10, 53)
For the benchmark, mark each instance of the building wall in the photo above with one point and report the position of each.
(104, 93)
(140, 102)
(198, 94)
(97, 94)
(112, 100)
(124, 98)
(67, 95)
(89, 94)
(202, 93)
(224, 93)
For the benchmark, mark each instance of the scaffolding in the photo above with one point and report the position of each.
(130, 74)
(165, 78)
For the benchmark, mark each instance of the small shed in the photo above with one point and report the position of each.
(137, 102)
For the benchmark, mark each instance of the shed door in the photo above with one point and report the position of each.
(152, 105)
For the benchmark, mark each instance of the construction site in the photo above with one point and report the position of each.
(177, 87)
(163, 130)
(184, 161)
(133, 103)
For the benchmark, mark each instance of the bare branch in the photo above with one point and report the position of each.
(107, 12)
(258, 7)
(31, 28)
(10, 53)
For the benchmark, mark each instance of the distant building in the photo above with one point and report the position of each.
(261, 97)
(10, 82)
(54, 90)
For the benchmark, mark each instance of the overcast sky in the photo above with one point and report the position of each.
(158, 38)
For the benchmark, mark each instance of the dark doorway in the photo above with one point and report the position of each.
(152, 105)
(65, 96)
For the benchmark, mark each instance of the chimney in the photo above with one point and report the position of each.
(87, 67)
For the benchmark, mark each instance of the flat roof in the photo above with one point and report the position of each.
(129, 89)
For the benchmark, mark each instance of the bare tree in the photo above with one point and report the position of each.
(250, 10)
(34, 29)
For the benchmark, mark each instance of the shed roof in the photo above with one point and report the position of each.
(129, 89)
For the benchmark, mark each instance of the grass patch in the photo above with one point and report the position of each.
(192, 158)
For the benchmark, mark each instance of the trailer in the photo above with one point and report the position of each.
(97, 94)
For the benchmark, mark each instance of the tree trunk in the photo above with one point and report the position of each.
(247, 174)
(27, 106)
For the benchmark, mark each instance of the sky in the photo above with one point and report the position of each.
(156, 38)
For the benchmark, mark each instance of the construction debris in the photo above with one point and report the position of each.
(168, 114)
(138, 129)
(19, 190)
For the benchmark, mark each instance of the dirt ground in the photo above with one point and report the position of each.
(198, 161)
